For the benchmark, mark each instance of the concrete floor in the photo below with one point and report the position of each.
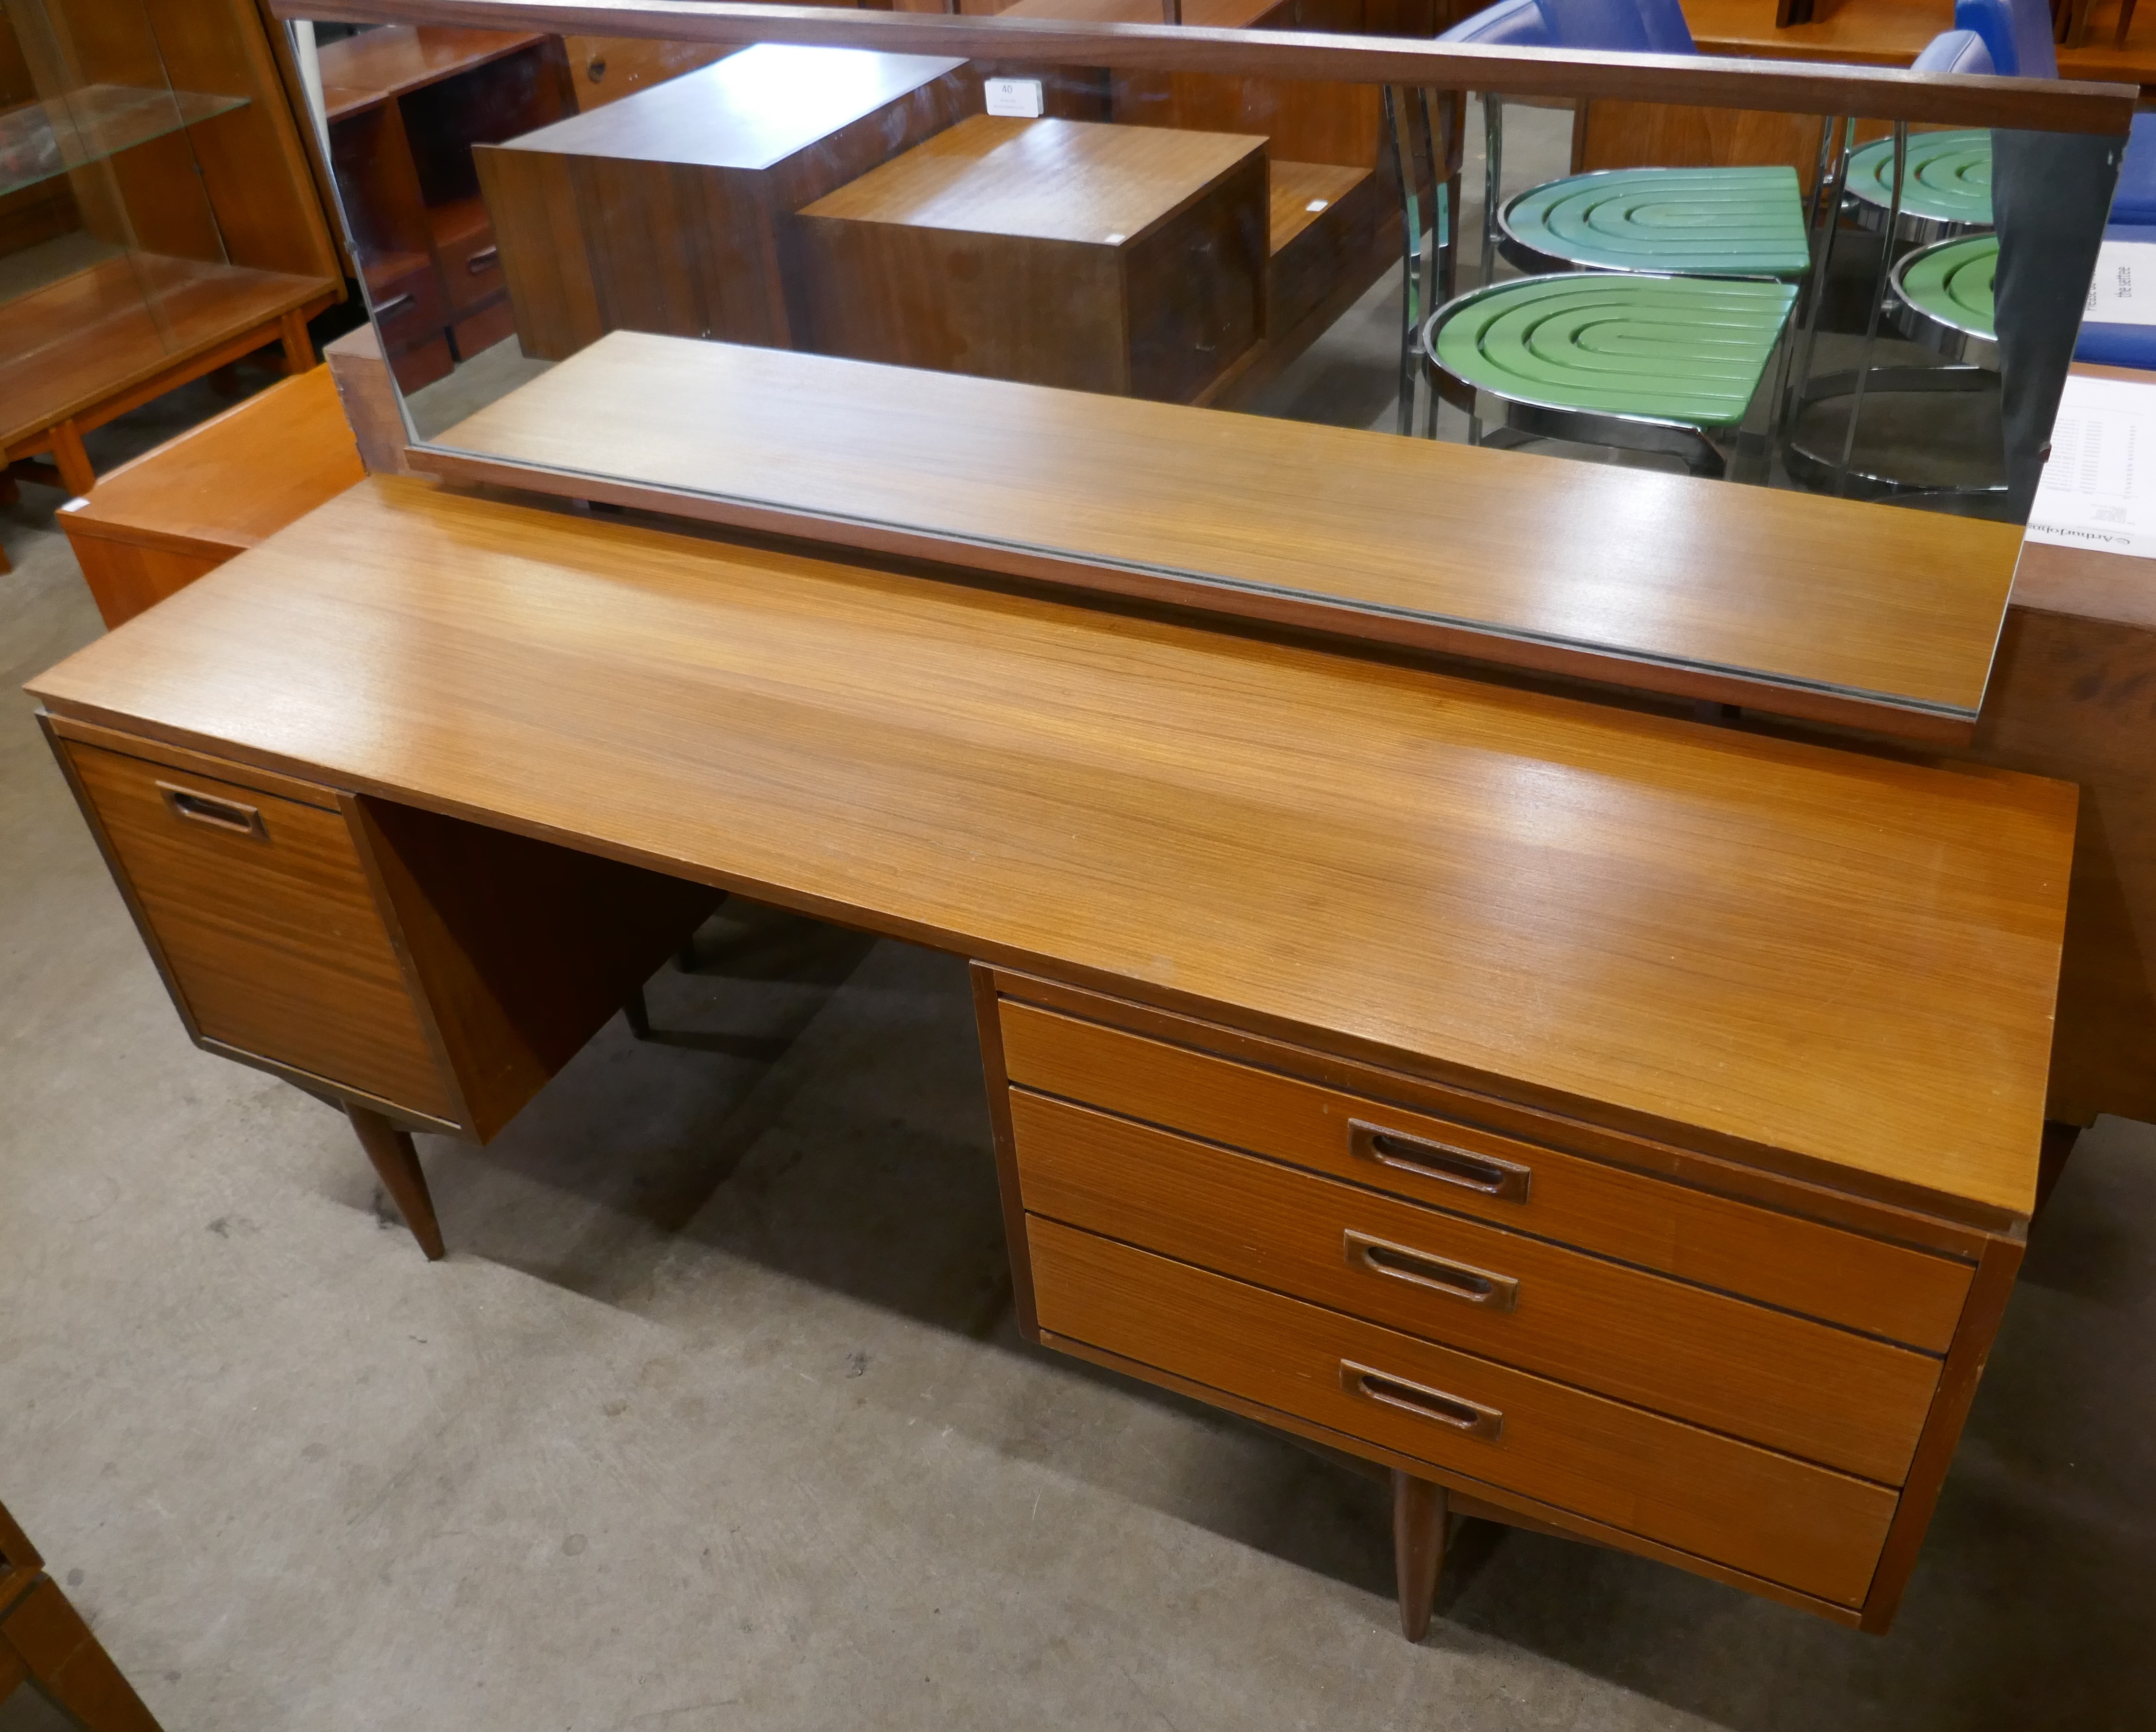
(717, 1416)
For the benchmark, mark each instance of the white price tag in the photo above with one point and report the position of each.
(2123, 289)
(1020, 98)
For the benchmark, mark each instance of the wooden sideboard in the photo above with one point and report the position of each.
(1598, 1120)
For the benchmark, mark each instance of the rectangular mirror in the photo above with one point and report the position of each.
(1724, 378)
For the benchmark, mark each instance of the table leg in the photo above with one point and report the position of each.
(72, 461)
(299, 347)
(640, 1017)
(1419, 1516)
(398, 1163)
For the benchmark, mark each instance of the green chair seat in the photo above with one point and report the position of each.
(1690, 222)
(1686, 349)
(1945, 178)
(1950, 284)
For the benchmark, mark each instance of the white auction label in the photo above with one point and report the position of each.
(1020, 99)
(2123, 289)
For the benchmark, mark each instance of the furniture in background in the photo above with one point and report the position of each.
(1942, 297)
(1126, 259)
(672, 211)
(1695, 351)
(46, 1647)
(405, 105)
(158, 219)
(1334, 217)
(1596, 1257)
(158, 523)
(1891, 32)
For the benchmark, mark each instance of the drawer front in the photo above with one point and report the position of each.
(267, 925)
(471, 269)
(1826, 1272)
(1846, 1399)
(409, 306)
(1788, 1521)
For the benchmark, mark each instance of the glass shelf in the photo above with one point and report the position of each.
(41, 139)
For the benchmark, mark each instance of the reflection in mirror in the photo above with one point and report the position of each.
(1816, 303)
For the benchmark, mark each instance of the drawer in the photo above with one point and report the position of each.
(267, 926)
(470, 261)
(1846, 1399)
(1787, 1521)
(1827, 1272)
(407, 305)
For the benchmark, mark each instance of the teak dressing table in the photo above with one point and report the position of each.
(1597, 1120)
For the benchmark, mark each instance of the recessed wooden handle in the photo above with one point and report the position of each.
(1456, 1280)
(482, 260)
(384, 309)
(1506, 1181)
(212, 809)
(1462, 1415)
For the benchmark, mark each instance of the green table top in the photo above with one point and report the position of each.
(1951, 282)
(1694, 222)
(1945, 178)
(1689, 350)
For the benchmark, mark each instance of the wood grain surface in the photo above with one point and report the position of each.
(77, 345)
(235, 480)
(1645, 577)
(1802, 1265)
(1818, 1531)
(1042, 180)
(361, 70)
(1470, 1497)
(271, 938)
(1796, 87)
(1061, 253)
(1816, 955)
(1763, 1374)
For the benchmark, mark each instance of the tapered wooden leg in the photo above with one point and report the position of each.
(299, 347)
(398, 1163)
(73, 462)
(684, 959)
(1418, 1519)
(639, 1017)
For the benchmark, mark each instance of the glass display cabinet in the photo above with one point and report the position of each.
(158, 216)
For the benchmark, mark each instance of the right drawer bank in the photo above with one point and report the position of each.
(1740, 1377)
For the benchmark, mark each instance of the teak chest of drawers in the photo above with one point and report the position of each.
(1716, 1373)
(1595, 1121)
